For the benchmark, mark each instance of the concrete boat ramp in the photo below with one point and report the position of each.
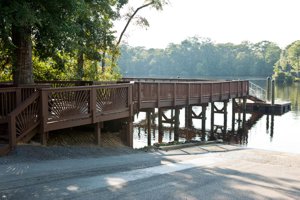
(214, 171)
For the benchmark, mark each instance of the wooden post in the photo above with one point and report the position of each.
(160, 126)
(188, 117)
(92, 103)
(244, 112)
(175, 94)
(233, 116)
(272, 125)
(158, 95)
(172, 116)
(98, 127)
(212, 121)
(225, 117)
(273, 92)
(176, 124)
(44, 106)
(203, 120)
(129, 132)
(267, 123)
(148, 116)
(268, 88)
(239, 114)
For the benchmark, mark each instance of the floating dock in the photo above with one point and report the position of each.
(278, 108)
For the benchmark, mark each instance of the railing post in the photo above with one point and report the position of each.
(242, 88)
(201, 90)
(268, 88)
(129, 94)
(44, 108)
(211, 91)
(222, 90)
(238, 88)
(175, 93)
(158, 95)
(189, 94)
(92, 103)
(229, 95)
(273, 92)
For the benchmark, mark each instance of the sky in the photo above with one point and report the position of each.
(220, 20)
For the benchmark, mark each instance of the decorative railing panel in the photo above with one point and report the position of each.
(67, 103)
(110, 99)
(74, 106)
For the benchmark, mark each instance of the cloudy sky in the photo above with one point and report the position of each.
(221, 20)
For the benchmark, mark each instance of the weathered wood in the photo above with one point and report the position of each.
(129, 131)
(233, 116)
(273, 92)
(98, 127)
(160, 125)
(212, 121)
(225, 117)
(170, 94)
(188, 116)
(176, 125)
(203, 120)
(80, 103)
(148, 116)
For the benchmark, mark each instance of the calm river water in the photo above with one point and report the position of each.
(283, 134)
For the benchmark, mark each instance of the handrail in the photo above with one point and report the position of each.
(166, 94)
(257, 91)
(23, 119)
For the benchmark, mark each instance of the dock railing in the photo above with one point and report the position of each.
(257, 91)
(171, 94)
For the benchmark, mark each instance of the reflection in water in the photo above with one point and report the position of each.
(241, 135)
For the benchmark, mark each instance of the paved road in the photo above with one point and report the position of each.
(206, 172)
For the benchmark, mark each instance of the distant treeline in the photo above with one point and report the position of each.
(201, 57)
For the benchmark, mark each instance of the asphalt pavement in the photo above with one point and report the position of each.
(215, 171)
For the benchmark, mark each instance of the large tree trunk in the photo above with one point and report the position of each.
(22, 58)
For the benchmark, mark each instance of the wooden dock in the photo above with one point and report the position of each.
(29, 110)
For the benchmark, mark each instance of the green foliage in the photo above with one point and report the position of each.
(288, 66)
(198, 57)
(5, 63)
(60, 32)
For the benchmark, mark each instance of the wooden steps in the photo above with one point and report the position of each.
(255, 99)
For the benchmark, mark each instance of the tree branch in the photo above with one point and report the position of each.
(129, 20)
